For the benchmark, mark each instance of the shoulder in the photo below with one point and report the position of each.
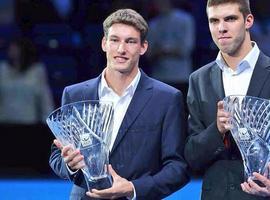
(163, 87)
(79, 91)
(164, 92)
(80, 85)
(157, 86)
(264, 59)
(203, 71)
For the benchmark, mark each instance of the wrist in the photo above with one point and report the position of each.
(130, 190)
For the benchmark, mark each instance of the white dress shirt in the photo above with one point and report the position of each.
(236, 82)
(120, 103)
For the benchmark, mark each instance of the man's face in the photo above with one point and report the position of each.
(123, 48)
(228, 27)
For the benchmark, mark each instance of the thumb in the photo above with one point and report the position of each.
(220, 105)
(112, 172)
(58, 144)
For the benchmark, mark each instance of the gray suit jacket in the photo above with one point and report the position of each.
(149, 147)
(204, 150)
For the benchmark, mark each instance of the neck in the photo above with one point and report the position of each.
(232, 60)
(118, 81)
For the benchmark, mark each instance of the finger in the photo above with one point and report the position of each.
(67, 150)
(58, 144)
(220, 105)
(262, 179)
(246, 187)
(106, 193)
(93, 195)
(76, 162)
(253, 185)
(228, 126)
(257, 190)
(223, 119)
(68, 157)
(80, 165)
(112, 172)
(97, 196)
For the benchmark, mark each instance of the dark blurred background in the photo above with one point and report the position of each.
(67, 36)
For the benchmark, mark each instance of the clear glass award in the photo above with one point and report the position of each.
(250, 128)
(87, 125)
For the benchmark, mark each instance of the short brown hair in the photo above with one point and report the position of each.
(129, 17)
(244, 6)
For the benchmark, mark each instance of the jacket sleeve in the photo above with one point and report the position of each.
(204, 142)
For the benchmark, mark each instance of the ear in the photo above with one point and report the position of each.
(144, 47)
(103, 44)
(249, 21)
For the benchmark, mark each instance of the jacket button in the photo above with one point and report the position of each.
(219, 150)
(232, 187)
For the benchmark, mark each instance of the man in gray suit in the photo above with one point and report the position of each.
(240, 68)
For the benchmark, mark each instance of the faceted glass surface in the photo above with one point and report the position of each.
(250, 128)
(86, 125)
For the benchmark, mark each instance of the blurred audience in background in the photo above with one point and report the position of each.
(171, 43)
(63, 8)
(7, 12)
(260, 31)
(25, 95)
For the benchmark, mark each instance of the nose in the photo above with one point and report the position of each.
(121, 48)
(222, 27)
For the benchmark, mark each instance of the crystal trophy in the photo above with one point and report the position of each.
(250, 128)
(87, 125)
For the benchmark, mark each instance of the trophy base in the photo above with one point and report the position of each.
(99, 184)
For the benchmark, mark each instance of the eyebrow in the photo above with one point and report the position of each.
(129, 38)
(211, 19)
(231, 16)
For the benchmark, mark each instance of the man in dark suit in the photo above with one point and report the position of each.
(240, 69)
(148, 135)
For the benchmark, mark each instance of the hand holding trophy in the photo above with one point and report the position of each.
(250, 128)
(87, 126)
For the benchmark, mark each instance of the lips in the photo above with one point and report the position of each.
(120, 59)
(223, 38)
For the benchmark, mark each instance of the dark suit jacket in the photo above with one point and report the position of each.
(204, 150)
(149, 146)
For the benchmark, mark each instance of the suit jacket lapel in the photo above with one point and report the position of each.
(259, 76)
(216, 81)
(141, 96)
(90, 91)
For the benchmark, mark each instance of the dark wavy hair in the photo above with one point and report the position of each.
(244, 5)
(129, 17)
